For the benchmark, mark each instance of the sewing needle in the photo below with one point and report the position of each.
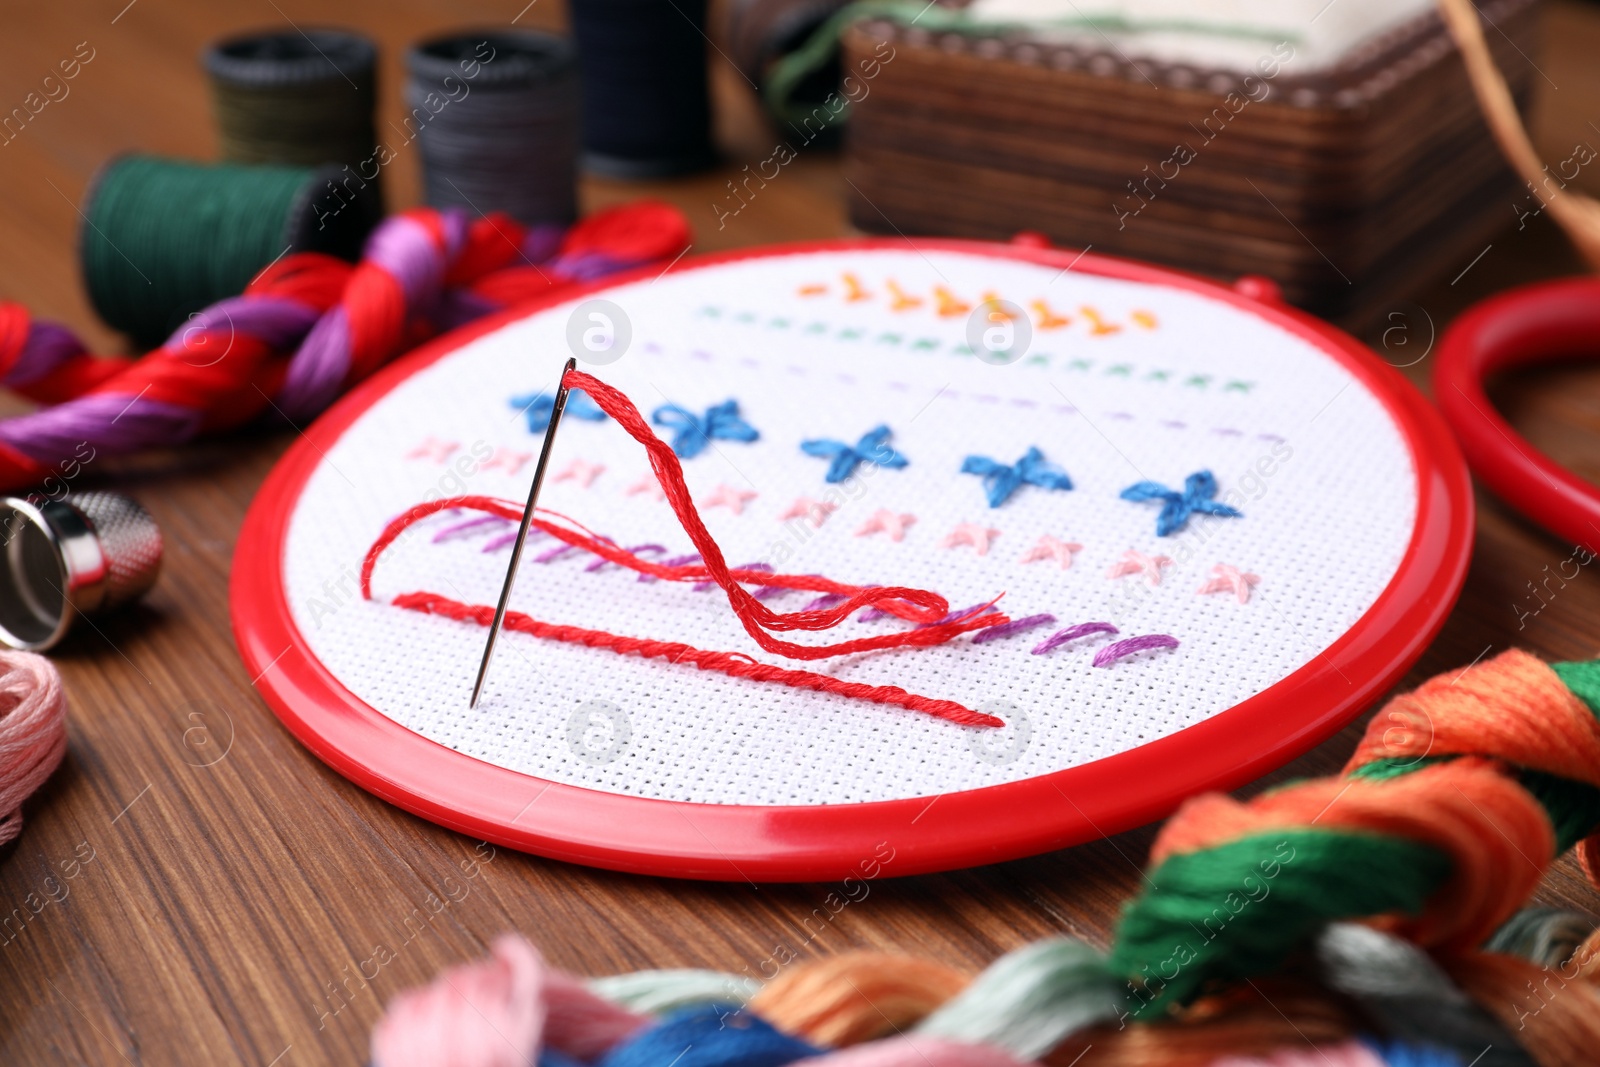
(556, 409)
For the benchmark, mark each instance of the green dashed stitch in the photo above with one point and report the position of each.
(931, 344)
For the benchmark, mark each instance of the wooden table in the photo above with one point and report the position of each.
(220, 910)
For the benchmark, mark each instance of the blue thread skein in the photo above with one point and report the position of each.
(709, 1035)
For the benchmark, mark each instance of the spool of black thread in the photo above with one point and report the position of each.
(301, 99)
(496, 116)
(646, 104)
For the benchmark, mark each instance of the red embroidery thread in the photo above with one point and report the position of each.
(915, 605)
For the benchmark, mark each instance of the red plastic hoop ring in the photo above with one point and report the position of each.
(1547, 322)
(828, 842)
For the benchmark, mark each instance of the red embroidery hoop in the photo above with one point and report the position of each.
(1547, 322)
(826, 842)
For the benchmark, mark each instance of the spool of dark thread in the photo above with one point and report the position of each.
(496, 116)
(760, 32)
(302, 99)
(163, 238)
(646, 105)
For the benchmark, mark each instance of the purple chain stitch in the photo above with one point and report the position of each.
(1015, 626)
(1072, 633)
(1115, 651)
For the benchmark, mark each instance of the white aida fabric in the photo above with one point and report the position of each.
(1121, 383)
(1226, 34)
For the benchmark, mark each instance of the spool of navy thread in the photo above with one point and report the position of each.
(496, 115)
(646, 104)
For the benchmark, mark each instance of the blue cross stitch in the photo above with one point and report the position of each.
(536, 407)
(1000, 480)
(1198, 489)
(843, 460)
(691, 434)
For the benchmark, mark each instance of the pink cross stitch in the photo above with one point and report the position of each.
(1054, 549)
(970, 533)
(1135, 562)
(728, 497)
(885, 521)
(806, 508)
(1226, 579)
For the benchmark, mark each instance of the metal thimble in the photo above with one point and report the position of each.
(63, 558)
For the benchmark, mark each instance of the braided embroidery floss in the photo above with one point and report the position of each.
(162, 239)
(496, 115)
(306, 328)
(301, 99)
(46, 362)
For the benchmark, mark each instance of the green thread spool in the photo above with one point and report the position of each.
(163, 238)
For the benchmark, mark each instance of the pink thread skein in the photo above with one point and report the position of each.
(33, 732)
(498, 1013)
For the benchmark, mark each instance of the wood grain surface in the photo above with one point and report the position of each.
(212, 894)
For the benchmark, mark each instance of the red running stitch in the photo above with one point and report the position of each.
(729, 663)
(916, 605)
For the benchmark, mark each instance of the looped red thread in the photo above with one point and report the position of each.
(907, 603)
(930, 610)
